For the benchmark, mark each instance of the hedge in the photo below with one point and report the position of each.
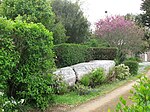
(70, 54)
(133, 66)
(103, 53)
(26, 57)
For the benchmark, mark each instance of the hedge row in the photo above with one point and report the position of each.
(103, 53)
(70, 54)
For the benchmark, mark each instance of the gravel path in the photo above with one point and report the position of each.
(110, 100)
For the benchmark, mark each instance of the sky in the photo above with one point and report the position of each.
(94, 10)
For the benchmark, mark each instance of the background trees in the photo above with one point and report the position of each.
(35, 11)
(146, 16)
(72, 17)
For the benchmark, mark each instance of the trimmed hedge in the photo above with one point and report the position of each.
(133, 66)
(103, 53)
(70, 54)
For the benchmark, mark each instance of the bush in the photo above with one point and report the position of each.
(134, 59)
(38, 91)
(81, 89)
(122, 72)
(26, 56)
(103, 53)
(85, 80)
(93, 79)
(140, 98)
(97, 77)
(60, 87)
(133, 66)
(96, 43)
(69, 54)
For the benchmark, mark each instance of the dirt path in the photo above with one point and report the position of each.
(108, 101)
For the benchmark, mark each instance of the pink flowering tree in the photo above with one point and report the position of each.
(121, 33)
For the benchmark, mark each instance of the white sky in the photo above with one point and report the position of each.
(95, 9)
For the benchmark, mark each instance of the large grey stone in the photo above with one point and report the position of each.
(68, 75)
(76, 72)
(85, 68)
(82, 69)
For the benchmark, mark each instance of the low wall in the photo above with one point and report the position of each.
(74, 73)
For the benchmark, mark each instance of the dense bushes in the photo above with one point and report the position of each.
(103, 53)
(69, 54)
(133, 66)
(26, 58)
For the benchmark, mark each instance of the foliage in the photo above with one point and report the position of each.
(122, 72)
(59, 33)
(121, 56)
(140, 98)
(98, 53)
(69, 54)
(133, 66)
(95, 78)
(60, 87)
(26, 55)
(95, 43)
(86, 80)
(9, 57)
(31, 11)
(121, 33)
(11, 105)
(134, 59)
(38, 91)
(146, 15)
(35, 11)
(71, 16)
(81, 89)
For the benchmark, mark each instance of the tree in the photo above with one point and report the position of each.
(146, 16)
(71, 16)
(37, 11)
(121, 33)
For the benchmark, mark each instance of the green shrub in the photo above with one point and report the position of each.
(25, 55)
(60, 87)
(96, 43)
(134, 59)
(133, 66)
(98, 53)
(38, 91)
(69, 54)
(81, 89)
(97, 77)
(140, 98)
(122, 72)
(85, 80)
